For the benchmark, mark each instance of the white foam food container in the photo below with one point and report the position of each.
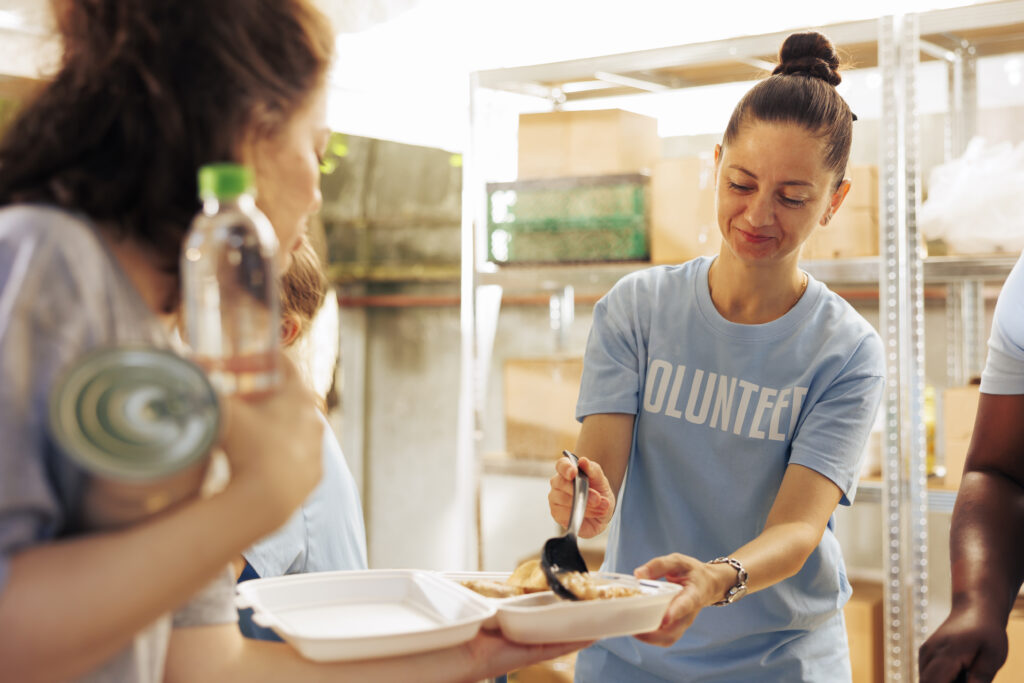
(498, 577)
(545, 618)
(346, 615)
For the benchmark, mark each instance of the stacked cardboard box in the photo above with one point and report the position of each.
(562, 144)
(583, 160)
(959, 406)
(864, 631)
(683, 219)
(540, 406)
(853, 231)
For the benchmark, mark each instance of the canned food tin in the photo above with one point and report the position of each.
(134, 413)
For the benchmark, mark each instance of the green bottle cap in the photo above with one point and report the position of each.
(224, 180)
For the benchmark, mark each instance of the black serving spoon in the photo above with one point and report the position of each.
(561, 554)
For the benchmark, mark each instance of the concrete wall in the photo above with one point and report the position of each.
(412, 368)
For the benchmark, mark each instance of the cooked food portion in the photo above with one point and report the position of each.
(529, 578)
(492, 589)
(587, 587)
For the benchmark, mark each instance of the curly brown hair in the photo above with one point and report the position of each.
(303, 286)
(147, 92)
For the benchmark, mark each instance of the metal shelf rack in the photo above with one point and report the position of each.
(868, 491)
(598, 278)
(896, 45)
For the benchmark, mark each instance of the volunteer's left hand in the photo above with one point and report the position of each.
(701, 587)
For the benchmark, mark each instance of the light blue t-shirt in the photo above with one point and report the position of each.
(722, 409)
(326, 533)
(1004, 367)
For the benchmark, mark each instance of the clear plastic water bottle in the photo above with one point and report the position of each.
(229, 284)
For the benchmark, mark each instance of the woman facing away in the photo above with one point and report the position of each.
(326, 533)
(725, 406)
(97, 190)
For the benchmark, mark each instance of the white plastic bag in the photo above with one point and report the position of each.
(976, 202)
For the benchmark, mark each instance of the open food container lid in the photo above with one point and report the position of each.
(346, 615)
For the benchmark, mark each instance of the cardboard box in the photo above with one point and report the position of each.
(864, 631)
(959, 407)
(586, 143)
(852, 233)
(863, 188)
(540, 406)
(684, 223)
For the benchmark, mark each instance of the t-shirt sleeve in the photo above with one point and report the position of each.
(831, 438)
(215, 604)
(34, 296)
(611, 363)
(281, 552)
(1004, 367)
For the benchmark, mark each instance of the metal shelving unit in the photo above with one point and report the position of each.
(896, 45)
(868, 491)
(957, 36)
(598, 278)
(939, 500)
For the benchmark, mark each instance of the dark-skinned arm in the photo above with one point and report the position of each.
(986, 553)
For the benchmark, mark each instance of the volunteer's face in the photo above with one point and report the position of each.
(287, 169)
(773, 189)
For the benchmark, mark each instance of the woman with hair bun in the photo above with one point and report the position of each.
(97, 191)
(726, 403)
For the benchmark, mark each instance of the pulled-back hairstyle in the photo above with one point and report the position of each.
(303, 286)
(303, 291)
(802, 90)
(147, 92)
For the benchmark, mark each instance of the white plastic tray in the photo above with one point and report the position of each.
(546, 618)
(333, 616)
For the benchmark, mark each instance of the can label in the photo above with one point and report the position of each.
(134, 413)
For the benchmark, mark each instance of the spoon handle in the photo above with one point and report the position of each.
(580, 489)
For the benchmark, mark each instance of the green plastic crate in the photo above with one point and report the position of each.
(596, 218)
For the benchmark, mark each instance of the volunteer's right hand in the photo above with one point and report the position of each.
(273, 443)
(600, 501)
(969, 641)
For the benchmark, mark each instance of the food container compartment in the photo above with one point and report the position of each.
(492, 623)
(334, 616)
(546, 618)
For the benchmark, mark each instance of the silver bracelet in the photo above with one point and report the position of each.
(740, 589)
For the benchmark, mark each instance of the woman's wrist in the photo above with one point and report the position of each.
(723, 577)
(247, 512)
(987, 603)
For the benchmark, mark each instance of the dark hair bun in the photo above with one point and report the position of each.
(810, 54)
